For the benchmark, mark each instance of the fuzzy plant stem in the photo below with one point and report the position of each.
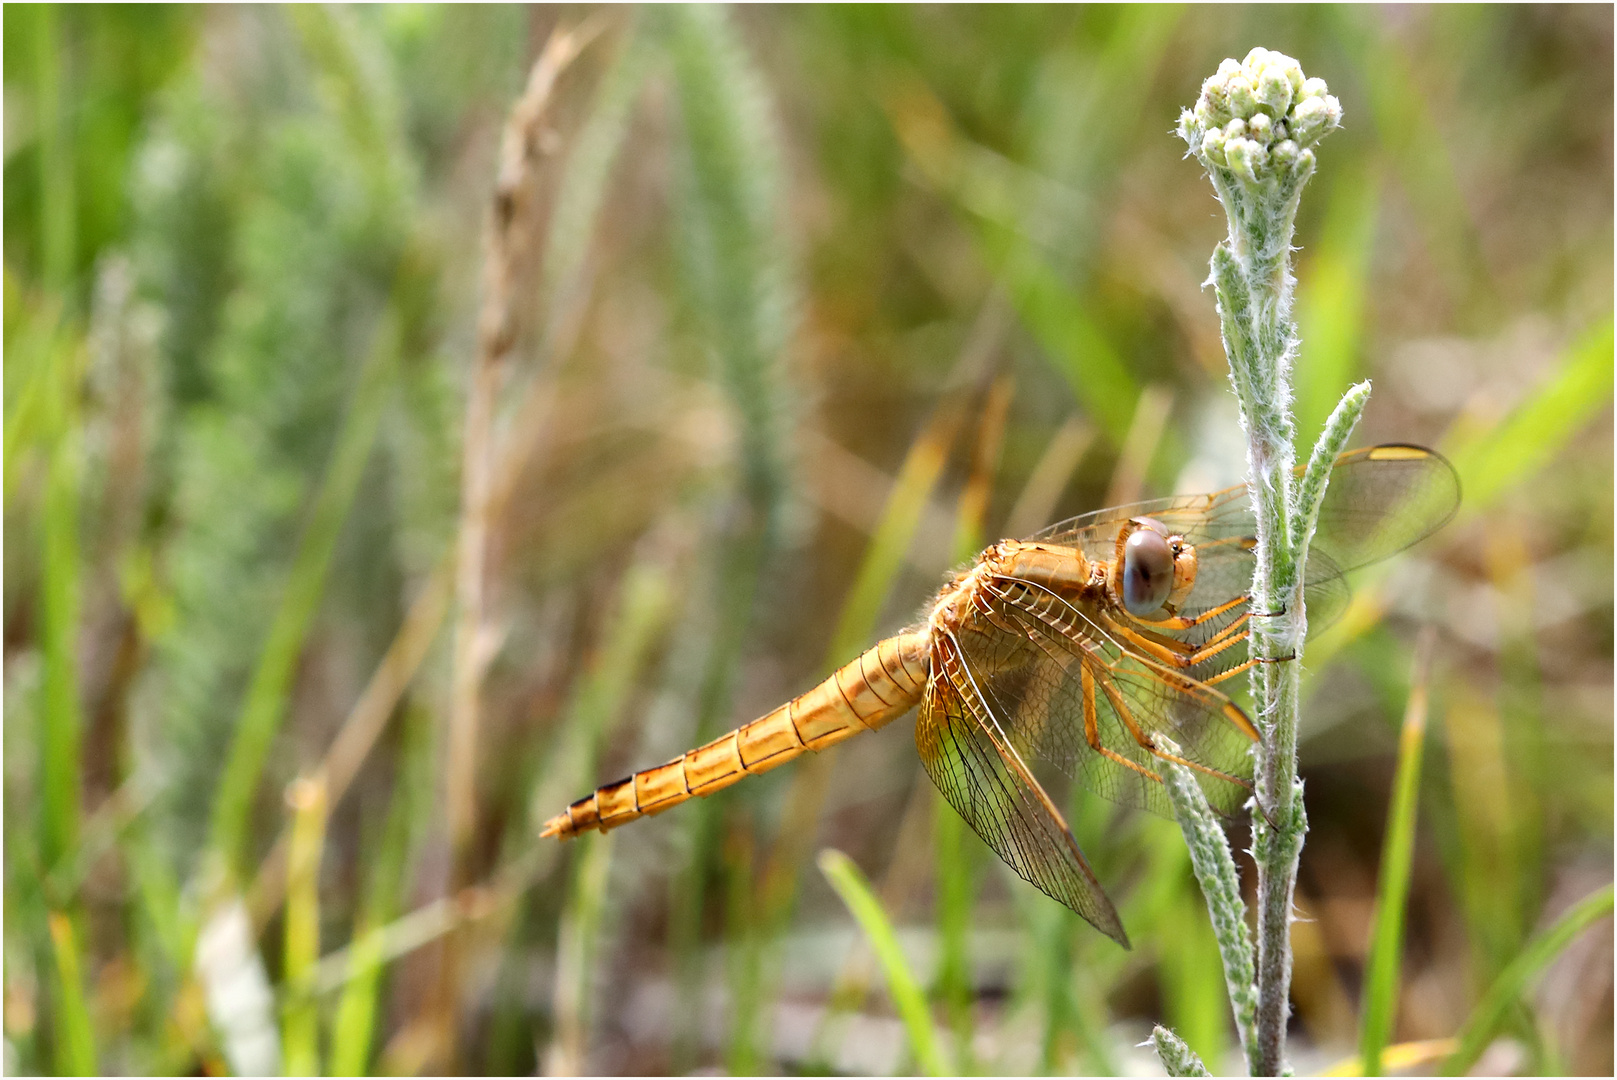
(1215, 871)
(1253, 128)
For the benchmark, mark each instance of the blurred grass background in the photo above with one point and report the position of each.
(816, 301)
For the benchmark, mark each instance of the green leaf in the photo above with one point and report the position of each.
(1331, 299)
(300, 1021)
(75, 1044)
(1392, 887)
(902, 986)
(1494, 460)
(1479, 1028)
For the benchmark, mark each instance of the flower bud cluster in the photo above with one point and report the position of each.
(1259, 118)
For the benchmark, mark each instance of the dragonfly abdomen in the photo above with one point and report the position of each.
(879, 686)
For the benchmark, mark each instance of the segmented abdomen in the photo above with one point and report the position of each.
(878, 687)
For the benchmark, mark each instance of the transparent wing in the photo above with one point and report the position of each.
(963, 743)
(1076, 697)
(1381, 499)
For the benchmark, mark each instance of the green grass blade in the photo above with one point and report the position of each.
(576, 944)
(902, 986)
(57, 210)
(265, 702)
(956, 889)
(1479, 1028)
(912, 489)
(1392, 887)
(1493, 461)
(59, 618)
(1493, 458)
(353, 1029)
(75, 1042)
(583, 188)
(300, 1026)
(955, 848)
(1412, 140)
(1331, 299)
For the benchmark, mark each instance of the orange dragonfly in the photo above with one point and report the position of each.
(1086, 647)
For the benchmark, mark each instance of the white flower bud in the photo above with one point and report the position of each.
(1246, 158)
(1291, 69)
(1243, 96)
(1274, 90)
(1311, 119)
(1257, 117)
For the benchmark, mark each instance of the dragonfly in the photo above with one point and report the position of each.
(1097, 647)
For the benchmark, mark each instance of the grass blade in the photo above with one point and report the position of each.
(1392, 889)
(1513, 981)
(75, 1043)
(353, 1029)
(265, 702)
(855, 891)
(576, 941)
(364, 724)
(1401, 1056)
(59, 618)
(1331, 298)
(1494, 460)
(300, 1028)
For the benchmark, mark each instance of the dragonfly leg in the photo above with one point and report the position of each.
(1092, 727)
(1245, 665)
(1181, 653)
(1149, 744)
(1216, 646)
(1184, 622)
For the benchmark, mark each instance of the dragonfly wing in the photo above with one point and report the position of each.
(1381, 500)
(964, 746)
(1075, 695)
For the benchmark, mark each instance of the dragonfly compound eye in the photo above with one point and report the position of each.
(1147, 571)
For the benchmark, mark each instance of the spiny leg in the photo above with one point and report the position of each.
(1149, 744)
(1092, 727)
(1179, 653)
(1182, 622)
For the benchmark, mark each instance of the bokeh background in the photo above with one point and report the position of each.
(792, 309)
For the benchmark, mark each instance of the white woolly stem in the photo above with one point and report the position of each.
(1252, 128)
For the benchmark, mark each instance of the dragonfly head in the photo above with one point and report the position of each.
(1156, 568)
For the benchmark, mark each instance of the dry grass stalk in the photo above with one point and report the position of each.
(512, 231)
(360, 730)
